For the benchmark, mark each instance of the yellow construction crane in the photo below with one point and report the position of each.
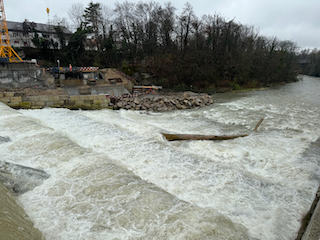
(7, 53)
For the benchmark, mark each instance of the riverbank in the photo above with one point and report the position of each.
(162, 100)
(34, 98)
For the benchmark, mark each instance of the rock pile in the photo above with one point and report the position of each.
(186, 100)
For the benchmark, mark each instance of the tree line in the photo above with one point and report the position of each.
(309, 60)
(180, 50)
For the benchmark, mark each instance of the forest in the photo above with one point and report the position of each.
(180, 51)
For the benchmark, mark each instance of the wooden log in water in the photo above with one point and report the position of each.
(177, 137)
(258, 124)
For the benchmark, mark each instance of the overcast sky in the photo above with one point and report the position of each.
(294, 20)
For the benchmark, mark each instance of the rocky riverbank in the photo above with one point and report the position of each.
(186, 100)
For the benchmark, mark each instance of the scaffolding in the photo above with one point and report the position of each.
(7, 53)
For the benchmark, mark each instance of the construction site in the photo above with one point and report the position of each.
(24, 78)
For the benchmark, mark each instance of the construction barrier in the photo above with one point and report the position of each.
(88, 69)
(68, 69)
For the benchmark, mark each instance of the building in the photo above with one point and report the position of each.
(22, 33)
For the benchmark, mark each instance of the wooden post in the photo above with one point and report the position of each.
(256, 128)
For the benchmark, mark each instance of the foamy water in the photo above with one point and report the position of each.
(113, 175)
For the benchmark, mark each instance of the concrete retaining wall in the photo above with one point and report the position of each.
(87, 102)
(21, 75)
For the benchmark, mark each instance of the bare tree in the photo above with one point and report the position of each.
(124, 20)
(75, 13)
(185, 23)
(58, 21)
(107, 16)
(167, 20)
(147, 19)
(197, 26)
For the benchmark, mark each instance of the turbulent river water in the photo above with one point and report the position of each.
(113, 175)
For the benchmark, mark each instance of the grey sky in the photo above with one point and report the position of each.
(295, 20)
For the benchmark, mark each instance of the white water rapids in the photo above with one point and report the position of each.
(113, 175)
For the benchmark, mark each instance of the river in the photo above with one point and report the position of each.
(113, 175)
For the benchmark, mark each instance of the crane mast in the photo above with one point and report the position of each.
(7, 53)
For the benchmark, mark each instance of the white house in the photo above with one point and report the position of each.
(22, 33)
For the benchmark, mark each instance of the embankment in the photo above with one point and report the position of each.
(159, 103)
(14, 222)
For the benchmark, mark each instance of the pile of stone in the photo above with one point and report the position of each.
(162, 103)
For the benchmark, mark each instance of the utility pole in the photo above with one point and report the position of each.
(58, 61)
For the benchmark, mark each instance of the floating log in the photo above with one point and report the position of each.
(176, 137)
